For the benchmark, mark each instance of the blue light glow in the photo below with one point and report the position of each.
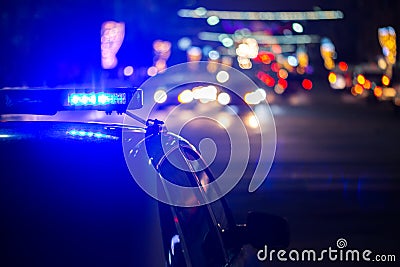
(90, 134)
(96, 99)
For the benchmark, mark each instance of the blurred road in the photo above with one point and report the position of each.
(336, 172)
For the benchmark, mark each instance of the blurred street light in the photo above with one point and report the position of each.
(387, 40)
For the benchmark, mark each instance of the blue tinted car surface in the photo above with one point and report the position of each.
(68, 199)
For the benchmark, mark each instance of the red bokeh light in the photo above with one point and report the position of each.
(283, 83)
(343, 66)
(275, 67)
(307, 84)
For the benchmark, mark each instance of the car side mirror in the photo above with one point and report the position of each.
(267, 229)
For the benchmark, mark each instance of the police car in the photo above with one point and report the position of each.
(68, 198)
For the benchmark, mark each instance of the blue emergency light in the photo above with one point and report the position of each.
(96, 99)
(49, 101)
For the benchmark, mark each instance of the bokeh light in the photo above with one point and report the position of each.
(186, 96)
(160, 96)
(360, 79)
(128, 70)
(307, 84)
(222, 76)
(224, 98)
(297, 27)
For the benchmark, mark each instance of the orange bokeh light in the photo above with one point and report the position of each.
(378, 91)
(367, 84)
(358, 89)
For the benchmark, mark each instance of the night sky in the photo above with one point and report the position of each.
(49, 42)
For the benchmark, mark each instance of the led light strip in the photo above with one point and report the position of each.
(96, 99)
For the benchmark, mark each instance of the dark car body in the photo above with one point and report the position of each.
(68, 199)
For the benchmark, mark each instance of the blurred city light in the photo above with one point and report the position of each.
(343, 66)
(382, 63)
(184, 43)
(205, 94)
(328, 53)
(194, 54)
(302, 56)
(227, 42)
(387, 40)
(264, 39)
(213, 20)
(252, 121)
(256, 97)
(222, 76)
(367, 84)
(297, 27)
(266, 78)
(162, 51)
(358, 89)
(275, 67)
(332, 77)
(265, 57)
(385, 80)
(112, 36)
(200, 11)
(186, 96)
(337, 81)
(283, 83)
(224, 98)
(388, 92)
(128, 70)
(160, 96)
(244, 63)
(152, 71)
(283, 74)
(262, 93)
(213, 55)
(360, 79)
(378, 91)
(279, 89)
(292, 61)
(240, 15)
(307, 84)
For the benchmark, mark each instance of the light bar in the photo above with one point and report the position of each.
(96, 99)
(243, 15)
(46, 101)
